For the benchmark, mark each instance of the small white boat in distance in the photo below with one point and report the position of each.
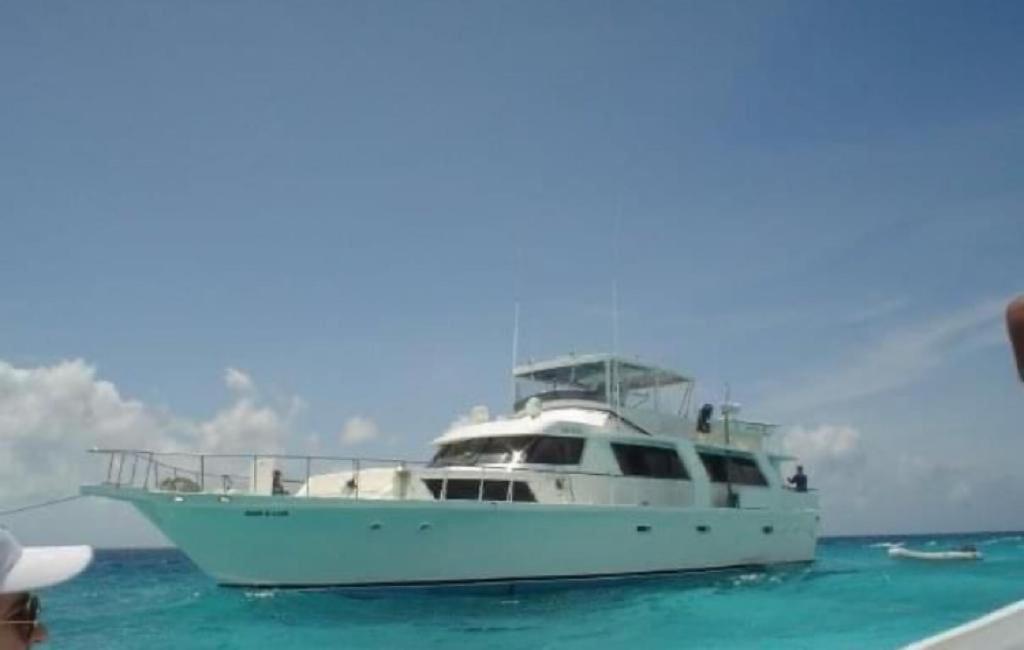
(964, 553)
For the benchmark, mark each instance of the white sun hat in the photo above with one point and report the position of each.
(26, 568)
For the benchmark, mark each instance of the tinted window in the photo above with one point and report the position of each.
(479, 451)
(643, 460)
(547, 450)
(496, 490)
(521, 492)
(552, 450)
(502, 449)
(463, 452)
(463, 489)
(741, 470)
(467, 489)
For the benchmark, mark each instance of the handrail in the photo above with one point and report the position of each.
(196, 454)
(181, 479)
(355, 460)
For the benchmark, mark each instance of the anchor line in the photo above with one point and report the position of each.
(36, 506)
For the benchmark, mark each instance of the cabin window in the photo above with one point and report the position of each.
(737, 469)
(521, 492)
(645, 460)
(463, 453)
(555, 450)
(541, 450)
(467, 489)
(502, 450)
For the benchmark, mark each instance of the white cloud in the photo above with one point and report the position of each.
(833, 457)
(50, 416)
(901, 357)
(874, 488)
(359, 429)
(475, 415)
(243, 427)
(873, 311)
(827, 448)
(238, 381)
(909, 470)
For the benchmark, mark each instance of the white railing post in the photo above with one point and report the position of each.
(356, 464)
(149, 466)
(308, 461)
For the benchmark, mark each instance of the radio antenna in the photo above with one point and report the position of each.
(615, 277)
(515, 351)
(615, 317)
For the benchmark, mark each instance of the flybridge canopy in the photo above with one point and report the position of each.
(607, 379)
(593, 371)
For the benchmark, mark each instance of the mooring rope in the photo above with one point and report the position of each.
(44, 504)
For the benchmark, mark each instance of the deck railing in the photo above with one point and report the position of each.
(240, 474)
(221, 473)
(253, 474)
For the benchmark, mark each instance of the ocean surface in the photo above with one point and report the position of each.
(854, 596)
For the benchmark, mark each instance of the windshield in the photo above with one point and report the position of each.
(579, 382)
(545, 450)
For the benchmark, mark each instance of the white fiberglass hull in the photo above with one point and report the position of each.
(296, 542)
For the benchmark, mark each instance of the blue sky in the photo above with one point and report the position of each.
(819, 203)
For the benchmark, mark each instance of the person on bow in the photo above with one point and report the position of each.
(798, 480)
(23, 570)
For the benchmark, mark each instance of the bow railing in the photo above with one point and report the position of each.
(297, 476)
(282, 474)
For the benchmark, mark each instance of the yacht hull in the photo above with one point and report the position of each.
(287, 541)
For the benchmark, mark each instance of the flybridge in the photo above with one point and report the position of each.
(618, 382)
(655, 400)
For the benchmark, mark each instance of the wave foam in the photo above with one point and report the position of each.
(886, 545)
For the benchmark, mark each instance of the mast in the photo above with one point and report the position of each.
(728, 408)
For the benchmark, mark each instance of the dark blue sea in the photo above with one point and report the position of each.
(854, 596)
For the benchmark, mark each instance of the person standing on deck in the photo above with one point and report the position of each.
(799, 480)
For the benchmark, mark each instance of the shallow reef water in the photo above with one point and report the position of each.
(853, 596)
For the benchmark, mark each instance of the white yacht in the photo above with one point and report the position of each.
(598, 473)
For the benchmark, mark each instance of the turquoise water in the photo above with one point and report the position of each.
(854, 596)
